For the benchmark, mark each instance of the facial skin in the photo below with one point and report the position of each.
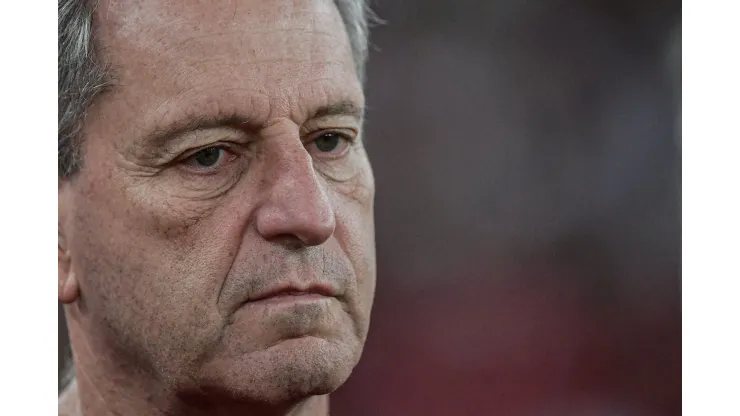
(226, 160)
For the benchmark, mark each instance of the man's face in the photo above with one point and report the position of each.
(225, 163)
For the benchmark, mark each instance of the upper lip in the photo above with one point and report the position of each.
(315, 288)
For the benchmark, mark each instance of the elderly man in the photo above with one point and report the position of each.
(216, 236)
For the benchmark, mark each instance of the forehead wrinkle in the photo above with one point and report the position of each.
(245, 77)
(252, 40)
(286, 102)
(245, 104)
(287, 16)
(246, 49)
(317, 98)
(259, 68)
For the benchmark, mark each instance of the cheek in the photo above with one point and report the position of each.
(355, 234)
(356, 221)
(188, 247)
(168, 259)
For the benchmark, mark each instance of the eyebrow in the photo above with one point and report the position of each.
(342, 108)
(161, 135)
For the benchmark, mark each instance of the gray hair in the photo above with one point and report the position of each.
(83, 76)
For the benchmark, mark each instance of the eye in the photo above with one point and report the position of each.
(209, 158)
(331, 144)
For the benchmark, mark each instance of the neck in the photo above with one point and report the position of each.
(105, 386)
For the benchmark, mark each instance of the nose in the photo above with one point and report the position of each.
(296, 210)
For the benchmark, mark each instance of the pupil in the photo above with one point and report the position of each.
(327, 142)
(208, 157)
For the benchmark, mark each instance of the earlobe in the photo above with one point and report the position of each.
(69, 288)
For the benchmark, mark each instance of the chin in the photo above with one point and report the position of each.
(289, 371)
(310, 366)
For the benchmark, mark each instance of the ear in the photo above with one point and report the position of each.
(69, 288)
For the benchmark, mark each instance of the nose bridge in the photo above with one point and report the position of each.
(296, 206)
(292, 174)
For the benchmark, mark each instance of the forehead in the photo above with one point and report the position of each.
(264, 58)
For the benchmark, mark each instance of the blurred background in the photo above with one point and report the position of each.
(527, 161)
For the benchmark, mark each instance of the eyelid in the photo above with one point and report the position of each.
(339, 123)
(219, 145)
(349, 134)
(199, 139)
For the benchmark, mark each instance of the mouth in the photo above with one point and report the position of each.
(292, 292)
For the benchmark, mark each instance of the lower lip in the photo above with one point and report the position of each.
(289, 298)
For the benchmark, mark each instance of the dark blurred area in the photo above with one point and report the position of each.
(527, 161)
